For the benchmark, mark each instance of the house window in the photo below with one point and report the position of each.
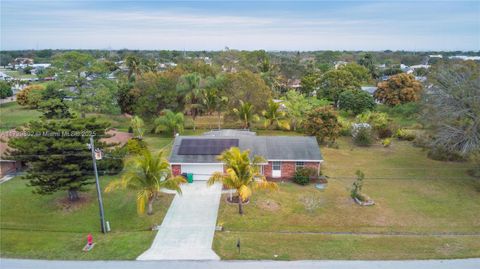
(276, 165)
(299, 165)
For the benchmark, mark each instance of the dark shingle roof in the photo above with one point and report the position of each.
(304, 148)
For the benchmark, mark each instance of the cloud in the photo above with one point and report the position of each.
(367, 26)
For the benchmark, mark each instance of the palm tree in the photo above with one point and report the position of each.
(134, 65)
(147, 174)
(212, 101)
(137, 125)
(246, 114)
(242, 174)
(170, 121)
(273, 115)
(189, 87)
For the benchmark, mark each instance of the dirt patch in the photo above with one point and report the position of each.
(67, 206)
(268, 205)
(118, 138)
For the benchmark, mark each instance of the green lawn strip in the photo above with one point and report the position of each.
(313, 247)
(12, 115)
(68, 245)
(413, 195)
(23, 213)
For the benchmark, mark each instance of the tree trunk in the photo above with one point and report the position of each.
(150, 205)
(73, 195)
(219, 120)
(240, 205)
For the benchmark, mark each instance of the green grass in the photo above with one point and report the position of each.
(13, 115)
(414, 195)
(45, 227)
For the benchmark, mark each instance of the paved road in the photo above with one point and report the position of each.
(188, 228)
(422, 264)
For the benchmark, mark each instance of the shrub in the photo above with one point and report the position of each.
(135, 146)
(386, 142)
(422, 140)
(403, 134)
(5, 90)
(362, 134)
(304, 175)
(379, 121)
(346, 126)
(441, 154)
(357, 184)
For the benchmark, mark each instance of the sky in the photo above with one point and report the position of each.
(245, 25)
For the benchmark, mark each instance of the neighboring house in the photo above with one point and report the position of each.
(369, 89)
(7, 166)
(465, 58)
(283, 154)
(294, 84)
(338, 64)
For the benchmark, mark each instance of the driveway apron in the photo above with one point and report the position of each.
(188, 228)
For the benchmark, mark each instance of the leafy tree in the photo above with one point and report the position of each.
(309, 83)
(56, 154)
(368, 62)
(155, 92)
(275, 116)
(356, 101)
(378, 120)
(248, 87)
(421, 72)
(452, 107)
(242, 174)
(359, 72)
(137, 125)
(322, 122)
(246, 114)
(5, 90)
(30, 96)
(170, 122)
(147, 174)
(334, 82)
(398, 89)
(127, 96)
(99, 97)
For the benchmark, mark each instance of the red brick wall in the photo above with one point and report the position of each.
(176, 169)
(7, 167)
(287, 168)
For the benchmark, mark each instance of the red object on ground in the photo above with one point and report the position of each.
(89, 239)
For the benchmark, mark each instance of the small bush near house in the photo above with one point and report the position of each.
(386, 142)
(136, 146)
(403, 134)
(346, 126)
(304, 175)
(362, 134)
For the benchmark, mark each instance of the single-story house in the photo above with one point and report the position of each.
(283, 154)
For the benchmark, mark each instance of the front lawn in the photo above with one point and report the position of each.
(416, 197)
(47, 227)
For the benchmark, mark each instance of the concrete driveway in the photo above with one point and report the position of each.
(188, 228)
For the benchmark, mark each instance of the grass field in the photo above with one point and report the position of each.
(13, 115)
(415, 196)
(46, 227)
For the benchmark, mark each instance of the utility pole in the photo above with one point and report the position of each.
(99, 192)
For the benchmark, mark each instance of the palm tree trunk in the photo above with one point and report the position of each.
(240, 205)
(150, 205)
